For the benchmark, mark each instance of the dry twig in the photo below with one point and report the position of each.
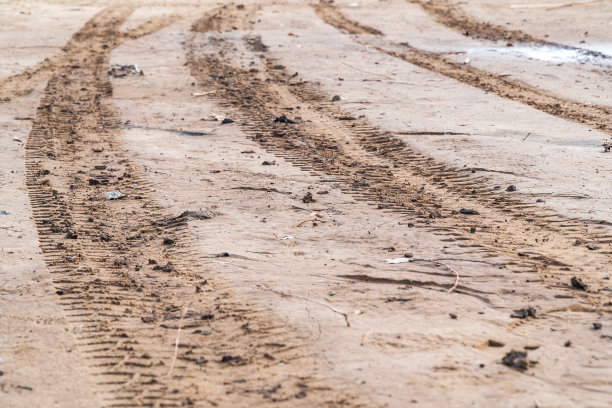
(176, 343)
(309, 220)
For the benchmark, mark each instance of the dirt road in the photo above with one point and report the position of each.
(376, 203)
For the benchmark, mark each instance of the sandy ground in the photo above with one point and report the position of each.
(246, 264)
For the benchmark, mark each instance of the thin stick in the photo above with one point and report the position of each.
(176, 343)
(309, 220)
(525, 138)
(367, 72)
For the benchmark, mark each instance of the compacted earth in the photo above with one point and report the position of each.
(380, 203)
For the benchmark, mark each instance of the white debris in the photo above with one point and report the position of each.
(467, 61)
(216, 117)
(287, 237)
(398, 260)
(113, 195)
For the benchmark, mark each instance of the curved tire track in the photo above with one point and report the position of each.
(155, 328)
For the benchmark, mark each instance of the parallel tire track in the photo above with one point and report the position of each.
(154, 326)
(377, 167)
(595, 116)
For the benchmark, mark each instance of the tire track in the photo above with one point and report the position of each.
(452, 16)
(24, 83)
(377, 167)
(595, 116)
(155, 327)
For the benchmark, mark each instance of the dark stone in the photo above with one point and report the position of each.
(308, 198)
(284, 119)
(524, 313)
(516, 359)
(577, 283)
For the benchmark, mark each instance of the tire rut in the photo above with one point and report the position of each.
(154, 325)
(377, 167)
(453, 17)
(594, 116)
(23, 84)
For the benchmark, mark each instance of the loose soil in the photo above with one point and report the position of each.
(308, 207)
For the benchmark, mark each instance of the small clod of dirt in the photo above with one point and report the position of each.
(468, 211)
(166, 268)
(120, 262)
(567, 344)
(524, 313)
(517, 360)
(452, 316)
(71, 235)
(597, 326)
(226, 121)
(284, 119)
(147, 319)
(119, 71)
(308, 198)
(577, 283)
(336, 98)
(94, 182)
(168, 241)
(495, 343)
(268, 163)
(511, 188)
(232, 360)
(222, 255)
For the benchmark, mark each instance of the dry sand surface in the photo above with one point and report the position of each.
(268, 159)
